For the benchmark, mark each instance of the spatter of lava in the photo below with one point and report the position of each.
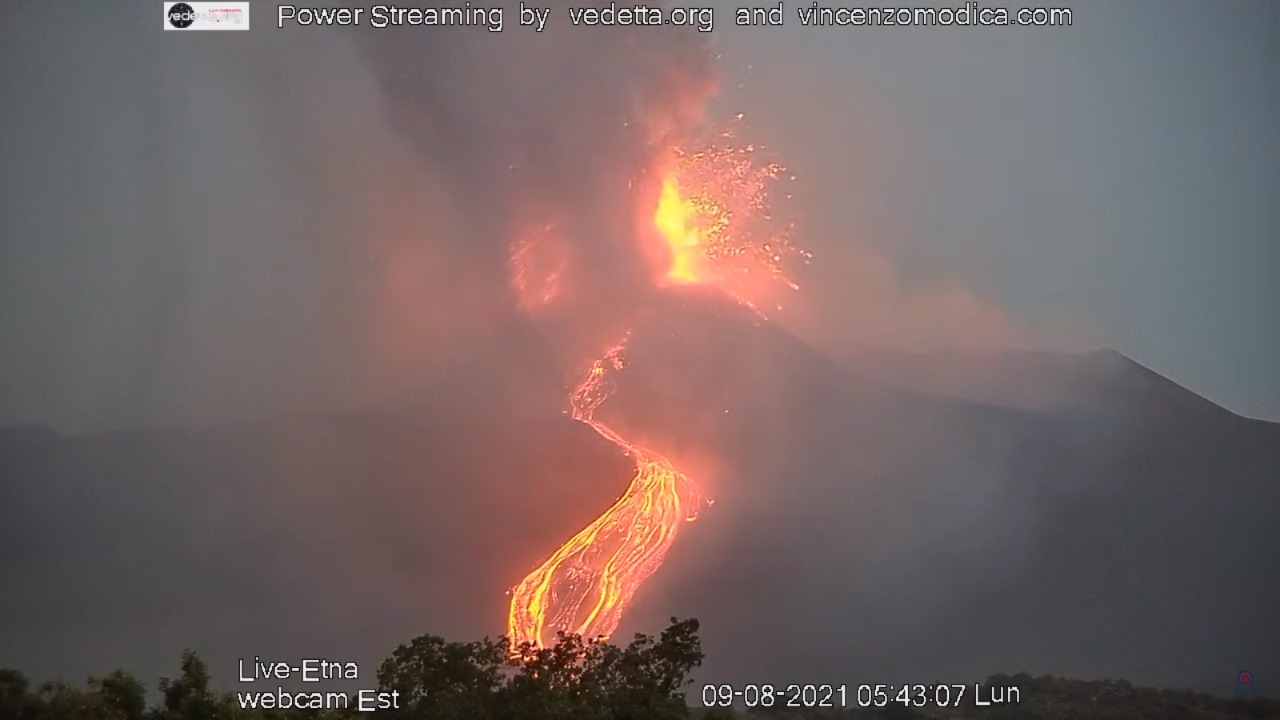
(714, 220)
(536, 267)
(716, 212)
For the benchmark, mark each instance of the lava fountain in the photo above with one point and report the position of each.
(713, 216)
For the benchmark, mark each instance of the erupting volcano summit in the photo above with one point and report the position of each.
(714, 223)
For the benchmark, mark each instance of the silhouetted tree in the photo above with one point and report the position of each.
(578, 679)
(575, 679)
(436, 678)
(122, 695)
(187, 697)
(15, 698)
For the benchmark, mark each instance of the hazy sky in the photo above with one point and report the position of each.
(1116, 179)
(216, 225)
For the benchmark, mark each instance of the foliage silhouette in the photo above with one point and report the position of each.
(577, 679)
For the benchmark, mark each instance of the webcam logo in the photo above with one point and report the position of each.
(182, 15)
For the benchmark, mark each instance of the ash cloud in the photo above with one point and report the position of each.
(299, 220)
(560, 127)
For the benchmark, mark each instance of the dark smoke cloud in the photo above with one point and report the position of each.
(294, 220)
(557, 126)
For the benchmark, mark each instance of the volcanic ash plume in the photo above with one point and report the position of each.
(542, 140)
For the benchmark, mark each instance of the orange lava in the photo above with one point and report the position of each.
(713, 219)
(676, 220)
(584, 586)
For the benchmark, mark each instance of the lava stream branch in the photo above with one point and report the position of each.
(584, 586)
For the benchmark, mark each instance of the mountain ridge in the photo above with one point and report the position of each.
(858, 530)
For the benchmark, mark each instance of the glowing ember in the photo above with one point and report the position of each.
(536, 266)
(712, 214)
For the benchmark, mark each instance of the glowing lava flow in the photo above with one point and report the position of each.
(584, 587)
(712, 216)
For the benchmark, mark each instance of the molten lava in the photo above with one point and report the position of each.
(675, 219)
(712, 217)
(586, 584)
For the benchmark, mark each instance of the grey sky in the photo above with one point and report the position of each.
(1107, 184)
(1117, 177)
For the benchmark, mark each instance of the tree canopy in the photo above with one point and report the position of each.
(432, 679)
(574, 679)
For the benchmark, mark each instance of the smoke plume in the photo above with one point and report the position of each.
(554, 131)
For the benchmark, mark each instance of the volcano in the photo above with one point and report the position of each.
(870, 522)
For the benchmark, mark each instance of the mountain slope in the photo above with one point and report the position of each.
(860, 532)
(1098, 380)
